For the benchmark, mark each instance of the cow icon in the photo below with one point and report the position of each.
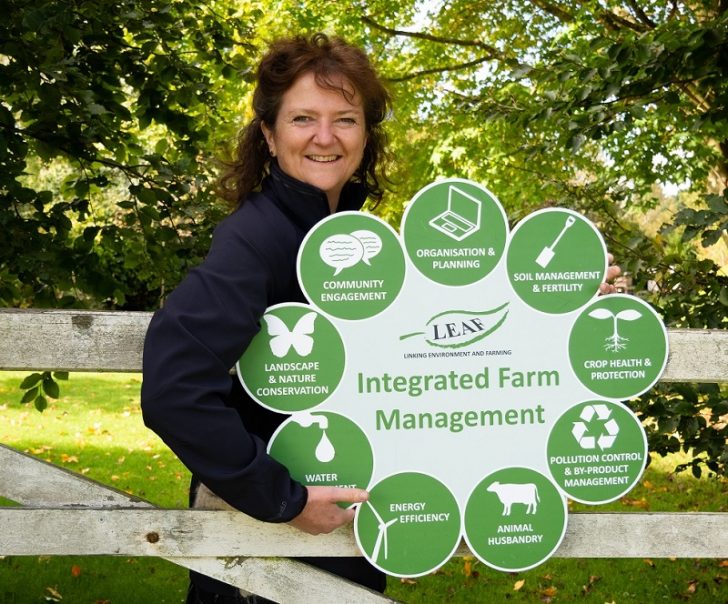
(509, 494)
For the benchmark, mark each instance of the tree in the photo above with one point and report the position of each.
(123, 100)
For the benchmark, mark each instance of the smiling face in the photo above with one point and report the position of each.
(319, 135)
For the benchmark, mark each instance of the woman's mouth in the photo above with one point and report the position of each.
(323, 159)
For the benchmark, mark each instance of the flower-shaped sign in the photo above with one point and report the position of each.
(468, 377)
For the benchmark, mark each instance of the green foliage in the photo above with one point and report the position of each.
(709, 224)
(687, 417)
(688, 292)
(127, 94)
(39, 387)
(584, 104)
(654, 97)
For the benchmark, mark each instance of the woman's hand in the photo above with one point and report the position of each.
(321, 514)
(613, 271)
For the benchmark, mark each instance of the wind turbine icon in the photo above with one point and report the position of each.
(382, 535)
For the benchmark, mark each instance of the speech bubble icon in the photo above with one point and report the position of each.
(371, 242)
(341, 251)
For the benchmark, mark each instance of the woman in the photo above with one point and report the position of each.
(313, 148)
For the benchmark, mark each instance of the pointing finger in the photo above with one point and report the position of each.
(348, 495)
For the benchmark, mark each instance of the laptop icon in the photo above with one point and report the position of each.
(462, 217)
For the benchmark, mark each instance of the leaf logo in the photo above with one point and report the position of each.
(283, 338)
(459, 328)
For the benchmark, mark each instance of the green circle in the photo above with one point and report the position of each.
(515, 518)
(596, 451)
(295, 362)
(454, 232)
(556, 260)
(618, 346)
(351, 265)
(409, 526)
(324, 449)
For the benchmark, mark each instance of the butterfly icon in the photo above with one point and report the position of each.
(283, 338)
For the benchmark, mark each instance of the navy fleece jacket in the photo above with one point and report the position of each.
(189, 396)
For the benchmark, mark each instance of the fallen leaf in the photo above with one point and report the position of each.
(76, 570)
(408, 581)
(53, 595)
(636, 503)
(519, 584)
(723, 563)
(467, 566)
(692, 586)
(647, 484)
(585, 589)
(649, 562)
(549, 592)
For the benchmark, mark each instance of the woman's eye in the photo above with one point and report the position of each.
(348, 121)
(301, 119)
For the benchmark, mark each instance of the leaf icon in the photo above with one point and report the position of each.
(601, 313)
(629, 315)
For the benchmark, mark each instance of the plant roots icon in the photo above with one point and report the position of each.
(615, 342)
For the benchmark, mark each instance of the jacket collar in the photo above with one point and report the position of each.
(304, 203)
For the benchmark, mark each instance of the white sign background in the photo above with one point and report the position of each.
(538, 343)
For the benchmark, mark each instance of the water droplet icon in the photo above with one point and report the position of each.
(325, 450)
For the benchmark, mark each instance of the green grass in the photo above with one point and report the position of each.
(96, 429)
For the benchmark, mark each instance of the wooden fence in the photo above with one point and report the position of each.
(63, 513)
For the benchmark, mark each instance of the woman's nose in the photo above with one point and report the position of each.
(324, 133)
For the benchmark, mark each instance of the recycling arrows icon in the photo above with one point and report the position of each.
(605, 439)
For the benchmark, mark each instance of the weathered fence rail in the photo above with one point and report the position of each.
(64, 513)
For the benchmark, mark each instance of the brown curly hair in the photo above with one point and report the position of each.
(330, 60)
